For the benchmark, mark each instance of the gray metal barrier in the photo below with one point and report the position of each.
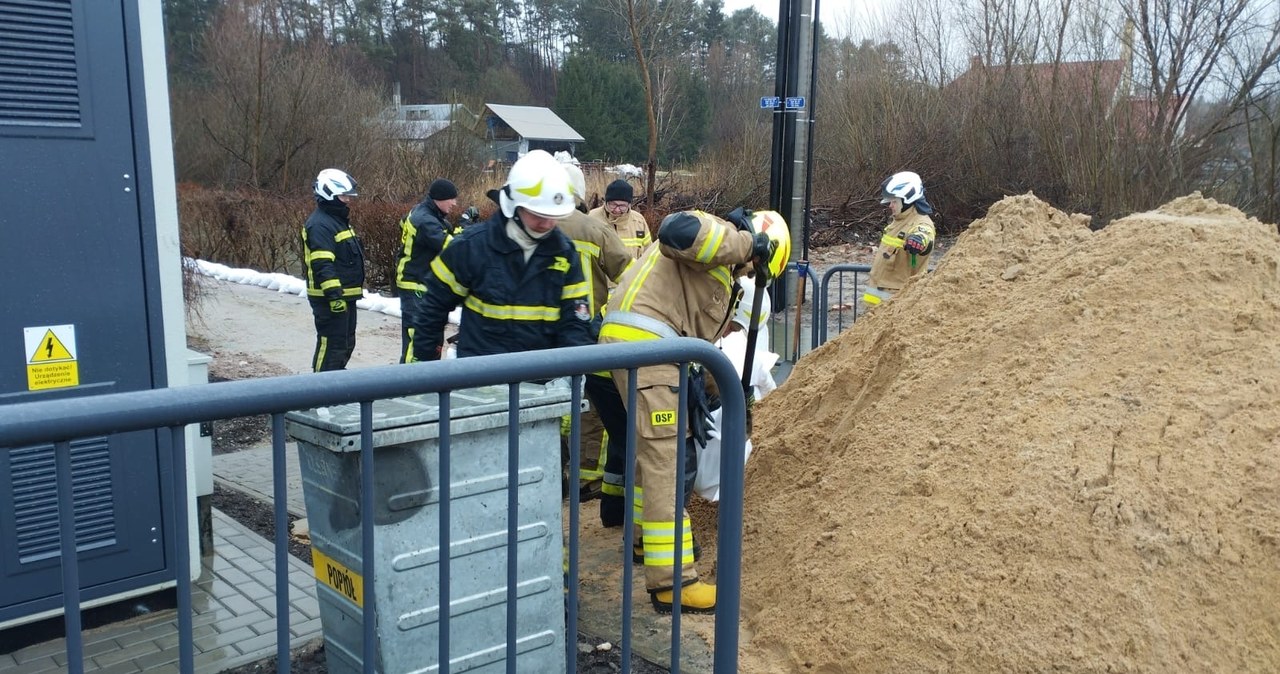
(783, 339)
(825, 298)
(61, 421)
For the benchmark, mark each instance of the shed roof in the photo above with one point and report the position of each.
(535, 123)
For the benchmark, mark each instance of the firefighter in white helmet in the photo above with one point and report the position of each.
(516, 275)
(683, 287)
(907, 241)
(334, 262)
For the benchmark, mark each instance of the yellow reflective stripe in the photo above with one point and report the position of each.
(321, 255)
(712, 245)
(649, 261)
(633, 242)
(446, 277)
(665, 532)
(575, 290)
(353, 292)
(612, 489)
(324, 346)
(331, 283)
(587, 248)
(589, 277)
(667, 556)
(625, 333)
(722, 275)
(408, 233)
(659, 541)
(344, 235)
(410, 285)
(891, 241)
(512, 312)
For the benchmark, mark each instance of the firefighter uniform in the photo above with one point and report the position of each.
(508, 304)
(630, 227)
(423, 234)
(683, 287)
(892, 265)
(603, 259)
(335, 280)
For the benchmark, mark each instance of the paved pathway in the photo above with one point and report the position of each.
(234, 621)
(250, 471)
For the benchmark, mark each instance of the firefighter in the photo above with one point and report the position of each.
(516, 275)
(603, 258)
(617, 213)
(334, 260)
(423, 234)
(684, 287)
(907, 241)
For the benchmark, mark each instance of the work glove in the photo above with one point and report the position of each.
(761, 252)
(741, 218)
(915, 244)
(470, 215)
(337, 306)
(699, 407)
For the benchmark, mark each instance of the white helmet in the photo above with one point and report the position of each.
(538, 183)
(332, 183)
(577, 181)
(904, 185)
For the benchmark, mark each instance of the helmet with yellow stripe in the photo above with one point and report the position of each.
(538, 183)
(772, 225)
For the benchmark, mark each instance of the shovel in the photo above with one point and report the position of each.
(753, 333)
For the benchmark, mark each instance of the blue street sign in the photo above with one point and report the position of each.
(795, 102)
(770, 102)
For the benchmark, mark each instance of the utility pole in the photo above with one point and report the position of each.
(793, 109)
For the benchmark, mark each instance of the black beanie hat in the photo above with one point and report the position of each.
(618, 190)
(442, 190)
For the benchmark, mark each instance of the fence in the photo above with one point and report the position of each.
(787, 328)
(61, 421)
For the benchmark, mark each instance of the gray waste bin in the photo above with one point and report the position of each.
(406, 528)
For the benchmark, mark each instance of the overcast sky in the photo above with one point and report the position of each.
(836, 14)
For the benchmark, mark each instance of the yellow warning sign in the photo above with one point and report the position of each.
(50, 350)
(52, 375)
(51, 357)
(342, 580)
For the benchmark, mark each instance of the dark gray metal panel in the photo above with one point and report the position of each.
(77, 252)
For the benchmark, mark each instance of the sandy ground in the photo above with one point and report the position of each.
(277, 328)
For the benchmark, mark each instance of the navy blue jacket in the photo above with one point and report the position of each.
(332, 254)
(508, 304)
(423, 233)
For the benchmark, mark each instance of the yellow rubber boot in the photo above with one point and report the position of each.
(696, 597)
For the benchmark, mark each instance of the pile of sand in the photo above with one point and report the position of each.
(1061, 450)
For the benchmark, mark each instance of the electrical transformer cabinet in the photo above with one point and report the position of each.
(88, 257)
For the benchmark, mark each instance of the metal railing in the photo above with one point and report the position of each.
(61, 421)
(782, 324)
(840, 270)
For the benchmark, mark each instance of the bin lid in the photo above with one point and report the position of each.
(424, 410)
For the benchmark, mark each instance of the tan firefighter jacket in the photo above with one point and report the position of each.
(630, 226)
(683, 287)
(892, 265)
(603, 256)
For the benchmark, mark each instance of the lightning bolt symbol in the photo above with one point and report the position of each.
(48, 348)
